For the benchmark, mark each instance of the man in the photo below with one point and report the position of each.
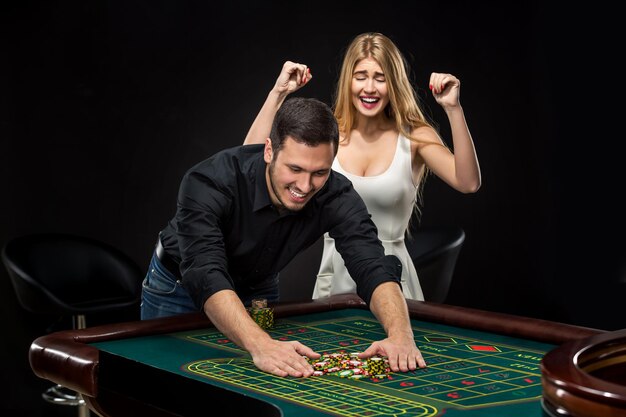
(245, 212)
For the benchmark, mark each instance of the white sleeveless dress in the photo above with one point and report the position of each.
(389, 198)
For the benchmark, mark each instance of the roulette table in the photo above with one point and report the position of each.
(479, 364)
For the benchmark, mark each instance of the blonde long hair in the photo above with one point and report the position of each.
(403, 107)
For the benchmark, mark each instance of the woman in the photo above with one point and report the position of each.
(387, 147)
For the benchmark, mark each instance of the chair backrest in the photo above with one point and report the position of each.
(54, 273)
(434, 252)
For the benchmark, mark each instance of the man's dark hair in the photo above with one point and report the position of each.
(305, 120)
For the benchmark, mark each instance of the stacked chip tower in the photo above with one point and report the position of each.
(261, 313)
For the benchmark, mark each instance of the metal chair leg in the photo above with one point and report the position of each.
(60, 395)
(83, 410)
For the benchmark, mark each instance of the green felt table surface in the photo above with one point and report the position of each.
(469, 373)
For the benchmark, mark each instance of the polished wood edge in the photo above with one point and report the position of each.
(565, 381)
(501, 323)
(567, 404)
(67, 358)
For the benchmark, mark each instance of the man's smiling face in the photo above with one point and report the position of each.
(297, 172)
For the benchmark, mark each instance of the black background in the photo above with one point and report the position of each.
(104, 105)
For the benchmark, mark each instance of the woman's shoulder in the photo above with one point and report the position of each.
(424, 134)
(421, 136)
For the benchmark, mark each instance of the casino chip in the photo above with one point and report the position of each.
(261, 313)
(376, 366)
(346, 365)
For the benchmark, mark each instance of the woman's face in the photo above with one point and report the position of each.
(369, 88)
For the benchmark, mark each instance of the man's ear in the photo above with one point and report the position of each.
(267, 152)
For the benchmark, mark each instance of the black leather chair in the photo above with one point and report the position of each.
(68, 275)
(434, 251)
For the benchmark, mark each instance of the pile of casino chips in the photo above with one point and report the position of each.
(261, 313)
(348, 365)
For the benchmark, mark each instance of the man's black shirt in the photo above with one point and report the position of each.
(227, 234)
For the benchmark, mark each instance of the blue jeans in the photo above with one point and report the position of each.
(163, 295)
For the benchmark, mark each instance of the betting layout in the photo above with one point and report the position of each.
(463, 372)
